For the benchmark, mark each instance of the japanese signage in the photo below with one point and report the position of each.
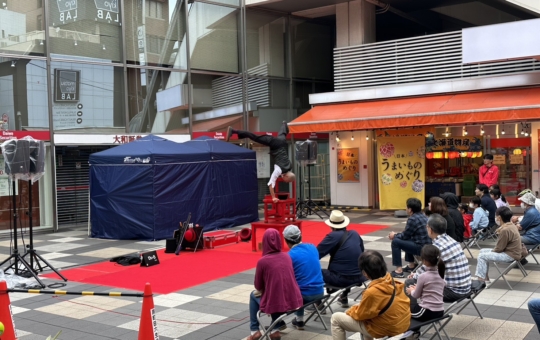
(454, 144)
(263, 161)
(516, 159)
(348, 166)
(401, 162)
(123, 139)
(66, 85)
(499, 159)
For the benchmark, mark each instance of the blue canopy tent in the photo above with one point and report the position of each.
(141, 190)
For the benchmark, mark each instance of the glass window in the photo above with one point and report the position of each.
(21, 27)
(87, 96)
(267, 44)
(312, 49)
(23, 94)
(86, 28)
(157, 36)
(157, 100)
(213, 37)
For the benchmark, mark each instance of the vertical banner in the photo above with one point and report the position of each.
(263, 161)
(401, 163)
(348, 169)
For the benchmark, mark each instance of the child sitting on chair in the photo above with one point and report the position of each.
(467, 218)
(429, 287)
(480, 218)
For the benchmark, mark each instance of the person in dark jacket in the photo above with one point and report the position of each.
(488, 203)
(437, 206)
(278, 150)
(452, 203)
(277, 291)
(345, 247)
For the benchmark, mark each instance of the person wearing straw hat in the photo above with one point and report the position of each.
(345, 247)
(307, 270)
(530, 224)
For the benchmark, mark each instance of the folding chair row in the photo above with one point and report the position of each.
(531, 249)
(335, 294)
(505, 271)
(265, 331)
(438, 324)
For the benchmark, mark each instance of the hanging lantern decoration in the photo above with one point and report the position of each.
(463, 154)
(517, 151)
(524, 152)
(470, 154)
(429, 155)
(446, 155)
(437, 155)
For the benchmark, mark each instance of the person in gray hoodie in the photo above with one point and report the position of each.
(452, 203)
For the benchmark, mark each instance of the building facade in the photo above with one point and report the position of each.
(89, 75)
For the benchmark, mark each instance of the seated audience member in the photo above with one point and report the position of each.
(496, 196)
(377, 315)
(411, 240)
(480, 218)
(488, 204)
(530, 224)
(517, 219)
(276, 289)
(452, 203)
(497, 187)
(457, 274)
(507, 249)
(345, 247)
(426, 211)
(427, 294)
(307, 270)
(437, 206)
(534, 309)
(467, 218)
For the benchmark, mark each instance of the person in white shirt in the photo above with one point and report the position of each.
(278, 150)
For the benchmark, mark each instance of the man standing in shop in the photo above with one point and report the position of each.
(278, 150)
(488, 173)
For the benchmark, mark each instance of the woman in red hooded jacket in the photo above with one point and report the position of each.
(276, 283)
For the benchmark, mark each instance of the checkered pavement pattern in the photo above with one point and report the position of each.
(219, 309)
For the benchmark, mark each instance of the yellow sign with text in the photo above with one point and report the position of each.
(348, 166)
(401, 164)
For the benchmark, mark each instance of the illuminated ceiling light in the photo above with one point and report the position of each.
(352, 135)
(104, 47)
(447, 133)
(75, 42)
(13, 63)
(465, 133)
(367, 135)
(337, 137)
(482, 129)
(502, 132)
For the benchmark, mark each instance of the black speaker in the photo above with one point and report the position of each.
(17, 157)
(37, 156)
(149, 259)
(170, 245)
(306, 151)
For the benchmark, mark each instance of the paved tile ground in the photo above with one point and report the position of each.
(219, 309)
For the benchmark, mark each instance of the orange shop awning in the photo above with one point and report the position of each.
(452, 109)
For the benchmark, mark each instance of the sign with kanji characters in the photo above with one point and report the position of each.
(516, 159)
(123, 139)
(464, 144)
(263, 161)
(499, 159)
(348, 166)
(401, 164)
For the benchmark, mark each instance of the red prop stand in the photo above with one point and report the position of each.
(277, 215)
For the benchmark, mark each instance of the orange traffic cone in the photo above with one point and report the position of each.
(148, 326)
(6, 315)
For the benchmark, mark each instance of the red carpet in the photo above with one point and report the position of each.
(190, 269)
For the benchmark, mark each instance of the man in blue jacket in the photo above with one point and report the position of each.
(530, 224)
(307, 270)
(488, 203)
(344, 247)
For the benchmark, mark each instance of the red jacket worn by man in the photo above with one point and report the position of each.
(488, 173)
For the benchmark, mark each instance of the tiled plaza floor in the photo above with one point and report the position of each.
(219, 309)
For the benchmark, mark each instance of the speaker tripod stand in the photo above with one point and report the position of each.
(305, 208)
(31, 252)
(15, 256)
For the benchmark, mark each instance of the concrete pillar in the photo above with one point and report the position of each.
(355, 23)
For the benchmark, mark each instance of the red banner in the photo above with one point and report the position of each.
(38, 135)
(298, 136)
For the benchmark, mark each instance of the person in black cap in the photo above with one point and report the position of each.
(278, 150)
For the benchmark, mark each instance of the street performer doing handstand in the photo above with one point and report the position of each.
(278, 150)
